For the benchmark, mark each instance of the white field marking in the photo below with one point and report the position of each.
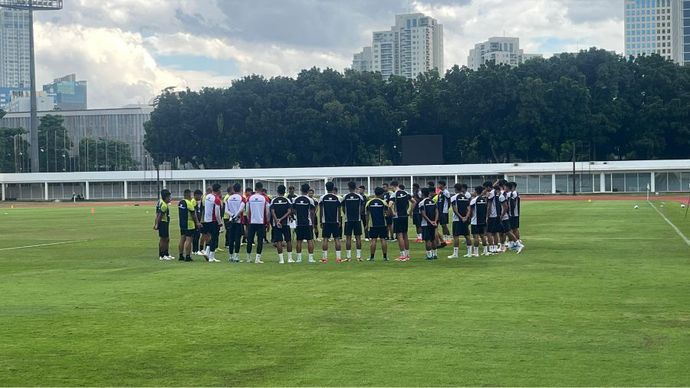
(41, 245)
(687, 240)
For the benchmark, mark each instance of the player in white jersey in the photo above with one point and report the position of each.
(234, 209)
(257, 216)
(212, 222)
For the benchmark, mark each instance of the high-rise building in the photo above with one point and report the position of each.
(686, 32)
(14, 49)
(501, 50)
(658, 27)
(412, 46)
(362, 60)
(69, 94)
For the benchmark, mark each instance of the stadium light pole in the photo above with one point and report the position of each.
(31, 6)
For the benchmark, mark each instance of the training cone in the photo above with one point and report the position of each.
(11, 206)
(93, 211)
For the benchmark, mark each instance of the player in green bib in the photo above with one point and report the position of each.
(188, 225)
(162, 225)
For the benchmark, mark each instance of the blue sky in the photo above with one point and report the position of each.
(129, 50)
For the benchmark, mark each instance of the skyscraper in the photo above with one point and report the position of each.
(362, 60)
(658, 27)
(69, 93)
(14, 49)
(501, 50)
(412, 46)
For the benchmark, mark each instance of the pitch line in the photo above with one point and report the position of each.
(687, 240)
(41, 245)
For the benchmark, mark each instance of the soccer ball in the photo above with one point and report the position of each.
(682, 206)
(637, 207)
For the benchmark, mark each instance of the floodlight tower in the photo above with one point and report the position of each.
(31, 6)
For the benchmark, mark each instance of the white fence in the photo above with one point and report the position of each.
(667, 176)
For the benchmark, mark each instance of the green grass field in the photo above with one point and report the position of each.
(601, 296)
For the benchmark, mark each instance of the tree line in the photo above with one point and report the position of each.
(56, 150)
(594, 104)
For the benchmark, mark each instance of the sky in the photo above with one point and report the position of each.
(129, 50)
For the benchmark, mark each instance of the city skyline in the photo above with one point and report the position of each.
(132, 50)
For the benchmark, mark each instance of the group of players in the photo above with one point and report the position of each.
(487, 216)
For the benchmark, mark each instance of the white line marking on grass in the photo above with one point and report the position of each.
(687, 240)
(41, 245)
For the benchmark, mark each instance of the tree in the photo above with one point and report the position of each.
(54, 144)
(14, 149)
(105, 155)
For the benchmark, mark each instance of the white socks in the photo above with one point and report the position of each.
(281, 258)
(338, 254)
(359, 253)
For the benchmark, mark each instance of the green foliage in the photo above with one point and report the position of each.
(598, 104)
(54, 144)
(13, 149)
(105, 155)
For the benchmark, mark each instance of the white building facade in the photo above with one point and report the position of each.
(658, 27)
(14, 49)
(362, 61)
(663, 176)
(501, 50)
(412, 46)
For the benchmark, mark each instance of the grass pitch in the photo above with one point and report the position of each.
(601, 296)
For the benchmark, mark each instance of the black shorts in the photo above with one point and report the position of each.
(353, 227)
(304, 233)
(332, 230)
(281, 234)
(207, 227)
(187, 232)
(417, 220)
(505, 226)
(400, 225)
(514, 223)
(378, 232)
(429, 233)
(163, 230)
(444, 219)
(460, 228)
(494, 226)
(478, 229)
(389, 221)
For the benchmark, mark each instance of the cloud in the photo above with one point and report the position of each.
(129, 50)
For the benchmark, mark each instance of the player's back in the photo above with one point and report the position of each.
(257, 208)
(479, 210)
(377, 212)
(330, 207)
(402, 203)
(352, 202)
(302, 206)
(280, 206)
